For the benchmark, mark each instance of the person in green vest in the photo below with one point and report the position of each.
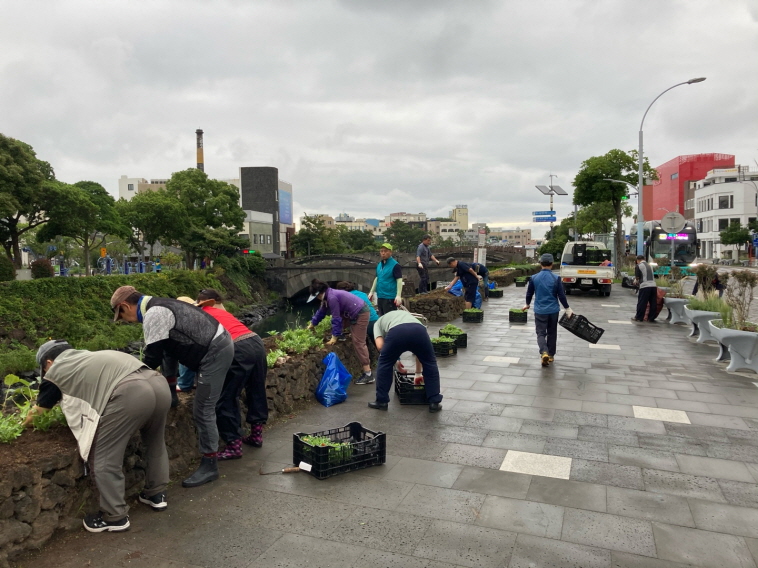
(388, 284)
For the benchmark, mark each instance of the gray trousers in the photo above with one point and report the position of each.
(210, 383)
(140, 402)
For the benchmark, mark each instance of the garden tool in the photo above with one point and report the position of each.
(285, 470)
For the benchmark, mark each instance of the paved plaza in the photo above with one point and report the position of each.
(638, 452)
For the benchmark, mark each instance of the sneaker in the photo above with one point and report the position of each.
(95, 523)
(545, 359)
(157, 502)
(550, 359)
(365, 379)
(232, 451)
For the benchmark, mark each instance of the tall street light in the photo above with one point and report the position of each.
(640, 216)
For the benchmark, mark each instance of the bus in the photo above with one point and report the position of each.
(657, 245)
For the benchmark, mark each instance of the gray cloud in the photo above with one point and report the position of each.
(372, 107)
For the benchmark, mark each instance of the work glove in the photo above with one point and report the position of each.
(310, 326)
(398, 300)
(438, 262)
(332, 341)
(569, 312)
(372, 298)
(420, 265)
(525, 308)
(480, 278)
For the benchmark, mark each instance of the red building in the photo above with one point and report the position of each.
(674, 191)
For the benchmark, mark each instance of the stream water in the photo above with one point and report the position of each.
(291, 316)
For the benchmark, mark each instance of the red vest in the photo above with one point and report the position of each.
(234, 326)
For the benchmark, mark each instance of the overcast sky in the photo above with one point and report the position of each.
(374, 106)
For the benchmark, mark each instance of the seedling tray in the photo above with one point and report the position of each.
(407, 392)
(496, 293)
(363, 448)
(461, 339)
(473, 317)
(517, 317)
(444, 349)
(581, 327)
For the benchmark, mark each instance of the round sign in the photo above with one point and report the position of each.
(673, 222)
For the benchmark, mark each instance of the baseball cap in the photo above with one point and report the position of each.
(119, 296)
(546, 258)
(386, 246)
(46, 348)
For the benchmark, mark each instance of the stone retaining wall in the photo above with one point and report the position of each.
(50, 492)
(508, 278)
(437, 305)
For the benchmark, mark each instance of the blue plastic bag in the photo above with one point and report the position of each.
(332, 389)
(492, 285)
(457, 290)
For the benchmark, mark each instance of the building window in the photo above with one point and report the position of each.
(724, 202)
(723, 224)
(255, 239)
(268, 239)
(727, 180)
(699, 225)
(130, 187)
(263, 239)
(733, 221)
(675, 176)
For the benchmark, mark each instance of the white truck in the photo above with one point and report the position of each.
(585, 265)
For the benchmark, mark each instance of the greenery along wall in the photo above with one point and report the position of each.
(78, 310)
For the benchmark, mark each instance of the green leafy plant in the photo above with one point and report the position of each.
(709, 303)
(338, 451)
(451, 329)
(49, 419)
(273, 356)
(7, 270)
(516, 310)
(739, 296)
(443, 340)
(323, 326)
(10, 427)
(472, 310)
(298, 340)
(42, 268)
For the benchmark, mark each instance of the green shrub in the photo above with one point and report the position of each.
(443, 339)
(42, 268)
(472, 310)
(451, 329)
(7, 270)
(711, 303)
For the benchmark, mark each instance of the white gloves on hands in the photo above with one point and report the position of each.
(398, 300)
(420, 265)
(569, 312)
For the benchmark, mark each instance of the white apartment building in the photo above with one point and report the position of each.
(516, 237)
(129, 187)
(352, 224)
(413, 219)
(723, 197)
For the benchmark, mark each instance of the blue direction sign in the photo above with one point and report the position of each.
(755, 242)
(543, 213)
(543, 219)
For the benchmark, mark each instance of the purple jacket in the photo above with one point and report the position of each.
(339, 304)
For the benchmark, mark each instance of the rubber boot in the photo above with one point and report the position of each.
(207, 472)
(255, 438)
(232, 451)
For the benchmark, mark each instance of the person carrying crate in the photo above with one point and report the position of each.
(395, 333)
(547, 290)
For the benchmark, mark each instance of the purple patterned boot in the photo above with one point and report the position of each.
(232, 451)
(255, 438)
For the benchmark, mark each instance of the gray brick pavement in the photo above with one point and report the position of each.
(641, 493)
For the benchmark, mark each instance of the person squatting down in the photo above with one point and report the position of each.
(547, 289)
(176, 332)
(388, 284)
(106, 396)
(396, 333)
(346, 310)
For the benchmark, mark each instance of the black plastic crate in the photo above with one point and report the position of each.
(445, 349)
(496, 293)
(517, 317)
(520, 283)
(407, 392)
(581, 327)
(365, 448)
(461, 339)
(473, 317)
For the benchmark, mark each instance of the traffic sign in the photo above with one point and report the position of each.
(103, 252)
(543, 219)
(673, 222)
(755, 242)
(542, 213)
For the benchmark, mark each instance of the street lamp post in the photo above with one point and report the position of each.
(640, 216)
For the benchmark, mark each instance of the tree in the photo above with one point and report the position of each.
(357, 240)
(555, 247)
(600, 217)
(88, 216)
(147, 213)
(314, 237)
(592, 187)
(735, 234)
(210, 217)
(403, 237)
(26, 193)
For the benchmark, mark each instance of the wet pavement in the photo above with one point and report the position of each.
(640, 451)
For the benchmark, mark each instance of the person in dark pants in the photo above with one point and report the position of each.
(647, 297)
(178, 333)
(396, 333)
(388, 284)
(106, 396)
(423, 257)
(482, 271)
(547, 290)
(468, 277)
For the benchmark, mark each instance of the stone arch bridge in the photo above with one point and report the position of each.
(289, 278)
